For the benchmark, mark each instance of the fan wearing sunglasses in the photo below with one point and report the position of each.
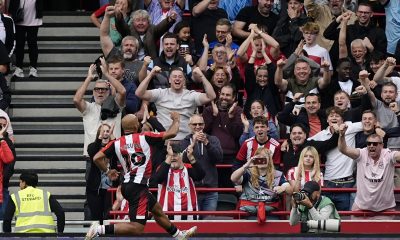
(375, 172)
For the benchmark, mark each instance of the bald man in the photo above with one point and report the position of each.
(133, 151)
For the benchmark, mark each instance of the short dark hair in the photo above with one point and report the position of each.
(313, 95)
(377, 56)
(231, 86)
(180, 25)
(260, 119)
(390, 84)
(343, 60)
(364, 3)
(30, 178)
(300, 125)
(369, 111)
(171, 35)
(262, 67)
(116, 59)
(336, 110)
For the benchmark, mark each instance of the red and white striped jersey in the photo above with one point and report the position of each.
(250, 146)
(178, 193)
(308, 175)
(135, 155)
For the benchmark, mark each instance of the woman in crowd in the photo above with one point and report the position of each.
(308, 169)
(257, 108)
(262, 184)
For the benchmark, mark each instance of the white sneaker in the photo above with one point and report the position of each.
(92, 233)
(188, 233)
(33, 72)
(18, 72)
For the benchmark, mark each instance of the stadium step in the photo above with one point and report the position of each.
(47, 127)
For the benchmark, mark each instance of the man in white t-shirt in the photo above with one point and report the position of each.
(375, 172)
(176, 98)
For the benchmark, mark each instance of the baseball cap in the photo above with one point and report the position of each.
(311, 187)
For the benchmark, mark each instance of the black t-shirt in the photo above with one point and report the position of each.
(252, 15)
(205, 24)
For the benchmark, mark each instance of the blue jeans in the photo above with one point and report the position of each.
(341, 200)
(6, 195)
(207, 202)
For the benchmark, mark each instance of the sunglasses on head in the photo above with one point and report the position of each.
(373, 143)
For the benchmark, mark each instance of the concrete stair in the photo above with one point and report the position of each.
(47, 127)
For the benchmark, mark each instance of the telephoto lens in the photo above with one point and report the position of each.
(329, 225)
(299, 196)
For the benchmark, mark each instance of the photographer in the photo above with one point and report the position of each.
(308, 204)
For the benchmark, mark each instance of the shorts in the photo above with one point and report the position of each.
(140, 199)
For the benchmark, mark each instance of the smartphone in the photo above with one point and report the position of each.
(260, 161)
(184, 49)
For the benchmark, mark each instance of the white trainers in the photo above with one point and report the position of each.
(188, 233)
(33, 72)
(18, 72)
(92, 233)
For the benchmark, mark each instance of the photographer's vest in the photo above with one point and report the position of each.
(32, 209)
(325, 201)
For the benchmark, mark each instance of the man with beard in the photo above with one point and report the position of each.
(176, 98)
(338, 167)
(375, 172)
(363, 28)
(129, 48)
(387, 69)
(169, 59)
(222, 119)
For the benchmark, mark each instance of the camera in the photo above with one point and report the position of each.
(329, 225)
(300, 196)
(260, 161)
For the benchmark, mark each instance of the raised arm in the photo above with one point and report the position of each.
(326, 77)
(202, 63)
(120, 97)
(209, 94)
(363, 77)
(343, 52)
(351, 152)
(242, 51)
(143, 71)
(174, 128)
(279, 81)
(105, 39)
(142, 91)
(200, 8)
(379, 76)
(79, 102)
(238, 31)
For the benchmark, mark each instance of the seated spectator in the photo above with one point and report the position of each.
(160, 9)
(260, 14)
(222, 119)
(97, 182)
(121, 204)
(313, 207)
(257, 108)
(208, 152)
(375, 172)
(176, 98)
(205, 15)
(307, 170)
(128, 50)
(298, 141)
(146, 33)
(263, 186)
(338, 168)
(260, 140)
(168, 59)
(287, 31)
(260, 86)
(175, 181)
(312, 117)
(315, 52)
(302, 81)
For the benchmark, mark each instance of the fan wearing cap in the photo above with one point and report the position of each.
(313, 206)
(176, 189)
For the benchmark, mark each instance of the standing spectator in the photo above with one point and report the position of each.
(123, 9)
(338, 168)
(223, 33)
(160, 9)
(98, 182)
(392, 29)
(208, 152)
(375, 172)
(176, 98)
(34, 211)
(222, 119)
(307, 170)
(352, 114)
(262, 184)
(233, 7)
(5, 94)
(7, 162)
(257, 108)
(298, 141)
(205, 16)
(186, 42)
(260, 15)
(7, 37)
(27, 30)
(176, 190)
(134, 152)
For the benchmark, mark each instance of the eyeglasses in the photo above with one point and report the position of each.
(373, 143)
(99, 89)
(197, 124)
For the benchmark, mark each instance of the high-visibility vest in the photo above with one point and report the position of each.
(32, 209)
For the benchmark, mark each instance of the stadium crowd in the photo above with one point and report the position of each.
(285, 92)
